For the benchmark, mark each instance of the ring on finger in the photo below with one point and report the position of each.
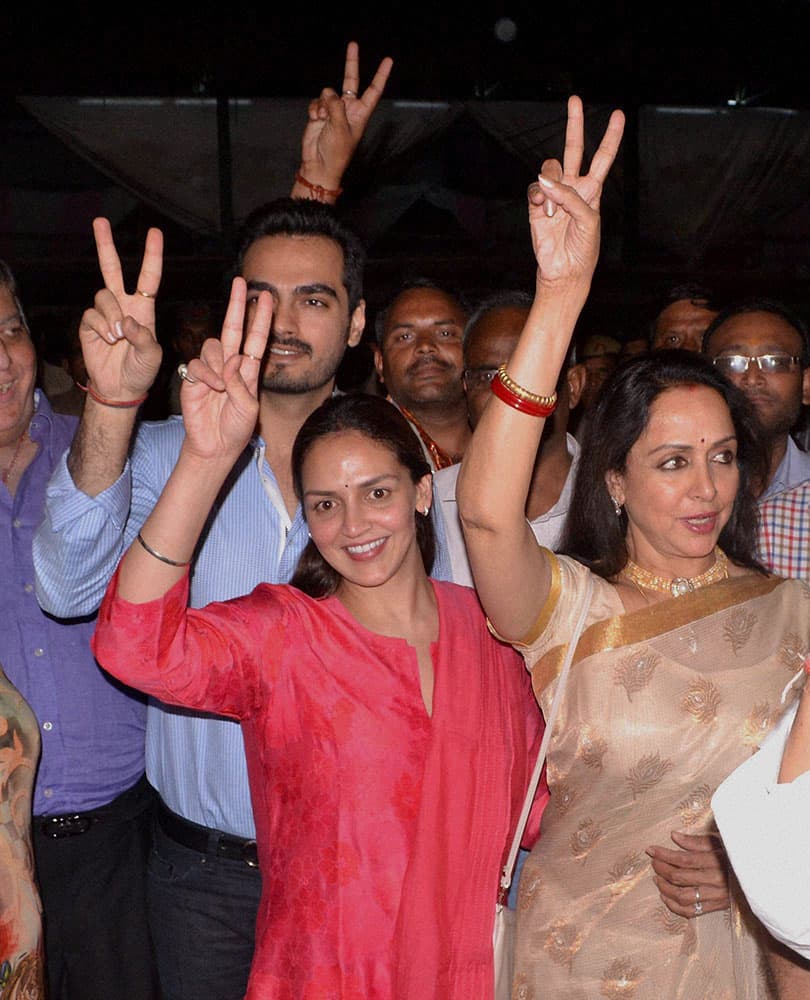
(146, 295)
(182, 371)
(698, 904)
(349, 93)
(253, 357)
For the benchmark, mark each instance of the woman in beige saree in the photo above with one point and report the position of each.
(688, 642)
(661, 705)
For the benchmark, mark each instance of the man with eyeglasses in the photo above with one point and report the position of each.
(490, 338)
(764, 349)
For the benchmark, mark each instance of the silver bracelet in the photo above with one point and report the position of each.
(157, 555)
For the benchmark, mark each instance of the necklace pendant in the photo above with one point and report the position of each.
(680, 586)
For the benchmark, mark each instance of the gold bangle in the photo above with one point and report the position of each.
(521, 393)
(158, 555)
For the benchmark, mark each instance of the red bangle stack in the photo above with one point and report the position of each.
(521, 399)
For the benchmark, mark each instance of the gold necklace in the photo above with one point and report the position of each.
(679, 585)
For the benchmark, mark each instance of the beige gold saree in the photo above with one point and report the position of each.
(661, 705)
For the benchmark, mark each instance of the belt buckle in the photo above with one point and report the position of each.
(71, 825)
(249, 855)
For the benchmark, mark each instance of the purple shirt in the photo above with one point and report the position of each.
(92, 728)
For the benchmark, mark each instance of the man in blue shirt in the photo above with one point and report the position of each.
(92, 804)
(203, 882)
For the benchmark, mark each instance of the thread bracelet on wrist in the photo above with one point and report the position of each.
(319, 191)
(115, 403)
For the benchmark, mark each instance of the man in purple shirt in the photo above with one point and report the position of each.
(91, 802)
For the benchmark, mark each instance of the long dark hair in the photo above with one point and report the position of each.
(380, 421)
(593, 533)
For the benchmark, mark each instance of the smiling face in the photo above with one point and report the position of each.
(18, 369)
(311, 325)
(777, 397)
(419, 359)
(680, 482)
(360, 504)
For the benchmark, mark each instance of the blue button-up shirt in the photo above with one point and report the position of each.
(92, 729)
(197, 763)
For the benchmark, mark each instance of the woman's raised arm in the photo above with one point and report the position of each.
(511, 574)
(220, 404)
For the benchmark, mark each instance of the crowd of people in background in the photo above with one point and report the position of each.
(286, 757)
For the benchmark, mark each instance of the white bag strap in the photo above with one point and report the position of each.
(509, 867)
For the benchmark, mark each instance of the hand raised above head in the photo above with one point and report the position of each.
(220, 392)
(337, 122)
(119, 345)
(564, 204)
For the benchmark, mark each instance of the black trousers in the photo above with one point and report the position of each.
(93, 888)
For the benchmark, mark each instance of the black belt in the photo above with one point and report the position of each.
(204, 840)
(70, 825)
(127, 805)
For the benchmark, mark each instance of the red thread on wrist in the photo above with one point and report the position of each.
(318, 190)
(115, 403)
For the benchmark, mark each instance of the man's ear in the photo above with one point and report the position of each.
(378, 362)
(357, 324)
(806, 386)
(577, 378)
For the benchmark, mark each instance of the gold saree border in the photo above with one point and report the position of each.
(658, 619)
(546, 611)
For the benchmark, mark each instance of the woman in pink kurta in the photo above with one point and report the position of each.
(352, 781)
(389, 736)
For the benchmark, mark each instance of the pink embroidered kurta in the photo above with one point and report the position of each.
(381, 830)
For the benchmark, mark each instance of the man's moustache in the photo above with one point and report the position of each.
(296, 345)
(427, 363)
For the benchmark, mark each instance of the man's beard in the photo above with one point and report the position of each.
(315, 376)
(774, 424)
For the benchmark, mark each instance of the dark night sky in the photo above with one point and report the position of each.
(611, 53)
(669, 53)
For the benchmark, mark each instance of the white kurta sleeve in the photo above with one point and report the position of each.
(766, 831)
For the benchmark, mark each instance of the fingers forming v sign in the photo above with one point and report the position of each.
(360, 108)
(220, 398)
(564, 203)
(119, 345)
(141, 303)
(337, 122)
